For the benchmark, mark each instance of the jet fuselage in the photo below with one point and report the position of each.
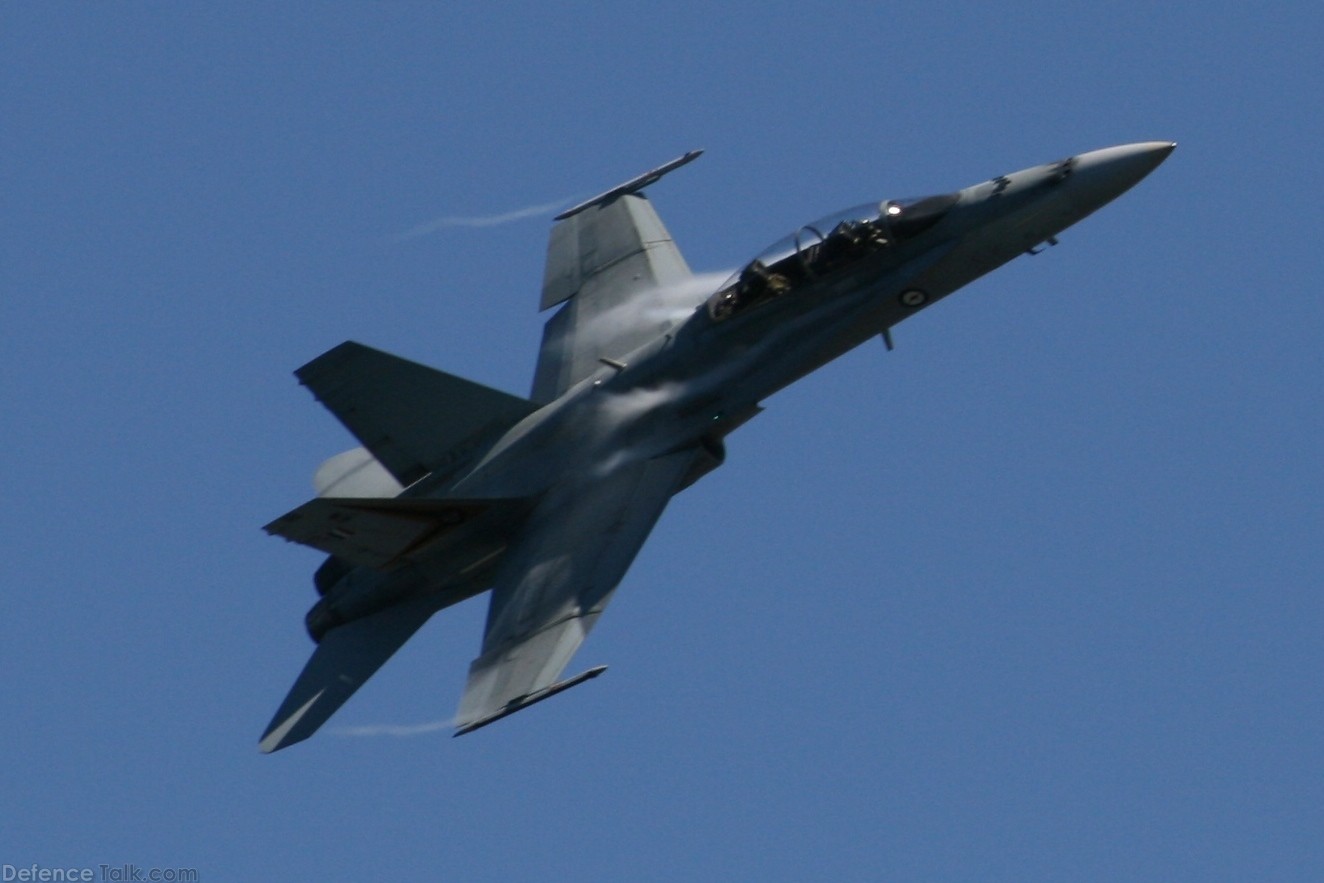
(706, 375)
(460, 488)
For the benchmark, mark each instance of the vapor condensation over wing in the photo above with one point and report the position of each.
(662, 307)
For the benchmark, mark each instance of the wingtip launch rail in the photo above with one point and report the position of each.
(531, 699)
(634, 185)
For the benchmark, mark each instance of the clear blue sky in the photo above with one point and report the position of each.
(1035, 597)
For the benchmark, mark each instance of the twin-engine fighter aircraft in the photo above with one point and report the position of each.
(643, 371)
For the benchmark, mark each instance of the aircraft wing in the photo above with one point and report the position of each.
(555, 583)
(347, 656)
(603, 256)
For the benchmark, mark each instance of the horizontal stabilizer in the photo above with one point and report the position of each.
(414, 419)
(347, 656)
(381, 533)
(525, 701)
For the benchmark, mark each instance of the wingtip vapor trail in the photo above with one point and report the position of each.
(397, 730)
(478, 222)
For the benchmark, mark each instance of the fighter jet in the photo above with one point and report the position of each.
(643, 371)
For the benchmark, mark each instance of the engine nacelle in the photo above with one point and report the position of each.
(332, 571)
(321, 619)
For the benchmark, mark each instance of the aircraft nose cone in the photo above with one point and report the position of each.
(1016, 212)
(1110, 172)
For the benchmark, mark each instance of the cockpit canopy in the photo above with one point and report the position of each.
(826, 246)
